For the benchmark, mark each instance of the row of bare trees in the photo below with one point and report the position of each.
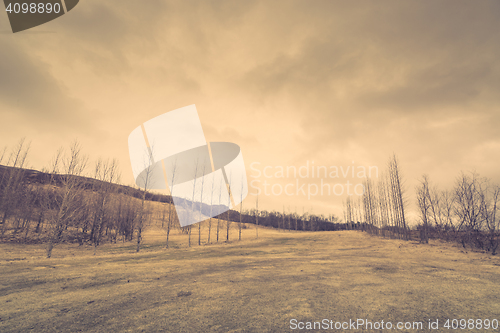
(13, 195)
(60, 204)
(66, 206)
(381, 208)
(467, 213)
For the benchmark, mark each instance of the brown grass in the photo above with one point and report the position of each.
(248, 286)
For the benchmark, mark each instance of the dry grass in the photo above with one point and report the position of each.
(248, 286)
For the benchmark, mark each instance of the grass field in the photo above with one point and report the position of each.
(256, 285)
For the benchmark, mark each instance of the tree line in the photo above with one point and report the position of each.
(467, 213)
(70, 201)
(381, 209)
(75, 201)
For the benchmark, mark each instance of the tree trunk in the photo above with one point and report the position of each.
(209, 229)
(139, 238)
(168, 232)
(218, 227)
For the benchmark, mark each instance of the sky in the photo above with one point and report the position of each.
(294, 83)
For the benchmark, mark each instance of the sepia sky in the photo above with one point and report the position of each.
(340, 83)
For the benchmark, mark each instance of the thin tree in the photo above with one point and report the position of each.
(489, 212)
(283, 219)
(257, 217)
(211, 210)
(241, 208)
(384, 218)
(2, 155)
(106, 172)
(218, 215)
(149, 164)
(289, 215)
(303, 219)
(201, 203)
(397, 196)
(67, 199)
(193, 202)
(424, 205)
(169, 223)
(228, 224)
(295, 217)
(11, 182)
(469, 197)
(312, 220)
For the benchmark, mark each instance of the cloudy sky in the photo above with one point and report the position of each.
(337, 83)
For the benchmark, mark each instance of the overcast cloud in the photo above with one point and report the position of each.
(289, 81)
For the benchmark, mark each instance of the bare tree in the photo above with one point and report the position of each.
(369, 205)
(2, 155)
(201, 203)
(257, 217)
(348, 212)
(282, 219)
(106, 172)
(397, 194)
(312, 220)
(228, 223)
(468, 196)
(475, 207)
(146, 180)
(170, 206)
(164, 213)
(304, 217)
(128, 210)
(218, 216)
(211, 210)
(295, 217)
(241, 209)
(489, 215)
(289, 216)
(193, 202)
(385, 194)
(11, 182)
(447, 206)
(68, 199)
(424, 204)
(384, 207)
